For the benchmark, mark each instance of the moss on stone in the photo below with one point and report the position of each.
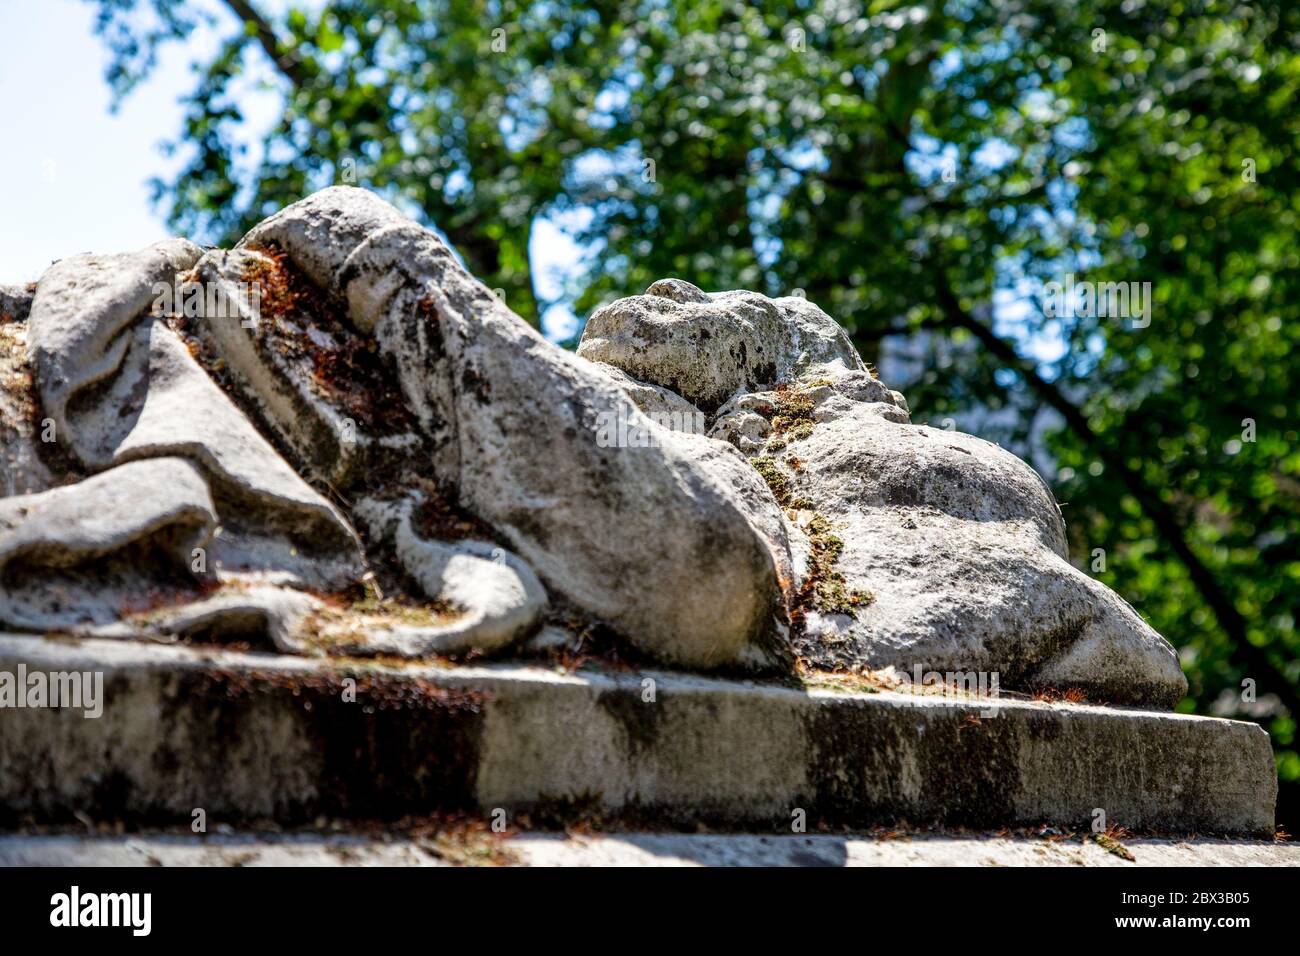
(777, 480)
(824, 588)
(794, 413)
(853, 682)
(400, 612)
(1111, 845)
(339, 629)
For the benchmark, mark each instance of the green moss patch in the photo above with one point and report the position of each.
(777, 480)
(824, 588)
(794, 413)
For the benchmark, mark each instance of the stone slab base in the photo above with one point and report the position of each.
(636, 849)
(249, 737)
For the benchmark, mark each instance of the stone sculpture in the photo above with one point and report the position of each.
(335, 439)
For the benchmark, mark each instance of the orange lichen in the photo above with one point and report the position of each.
(1052, 695)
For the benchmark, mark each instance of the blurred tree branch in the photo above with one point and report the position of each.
(276, 51)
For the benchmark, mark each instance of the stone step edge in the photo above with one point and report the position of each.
(629, 849)
(245, 736)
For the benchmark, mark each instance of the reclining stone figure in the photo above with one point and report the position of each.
(375, 456)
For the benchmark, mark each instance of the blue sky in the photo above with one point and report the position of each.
(74, 175)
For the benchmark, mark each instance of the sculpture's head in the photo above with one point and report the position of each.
(706, 346)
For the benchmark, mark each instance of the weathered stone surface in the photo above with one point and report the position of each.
(375, 457)
(895, 849)
(310, 383)
(391, 377)
(71, 554)
(705, 346)
(165, 450)
(22, 470)
(914, 548)
(667, 542)
(379, 424)
(245, 849)
(273, 737)
(658, 403)
(499, 595)
(91, 327)
(15, 302)
(959, 553)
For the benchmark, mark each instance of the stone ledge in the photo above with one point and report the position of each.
(634, 849)
(267, 737)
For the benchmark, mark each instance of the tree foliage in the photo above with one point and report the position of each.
(922, 171)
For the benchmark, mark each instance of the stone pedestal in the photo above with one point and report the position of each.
(255, 737)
